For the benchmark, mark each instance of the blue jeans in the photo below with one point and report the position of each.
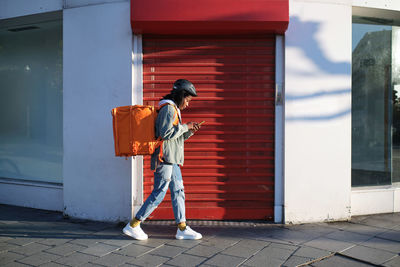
(166, 175)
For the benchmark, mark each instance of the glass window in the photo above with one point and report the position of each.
(375, 102)
(31, 102)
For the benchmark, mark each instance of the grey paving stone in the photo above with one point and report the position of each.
(358, 218)
(85, 241)
(152, 242)
(313, 253)
(397, 228)
(168, 251)
(76, 259)
(134, 250)
(90, 265)
(113, 232)
(99, 250)
(251, 234)
(252, 243)
(62, 226)
(6, 246)
(38, 228)
(224, 260)
(22, 240)
(232, 233)
(340, 262)
(76, 232)
(257, 232)
(241, 251)
(52, 264)
(112, 260)
(383, 244)
(149, 260)
(7, 257)
(186, 260)
(295, 237)
(120, 242)
(295, 261)
(65, 249)
(395, 262)
(279, 251)
(335, 225)
(349, 237)
(267, 262)
(381, 221)
(317, 228)
(270, 256)
(184, 243)
(391, 235)
(329, 244)
(53, 241)
(394, 218)
(375, 256)
(14, 264)
(39, 258)
(49, 226)
(273, 240)
(203, 251)
(30, 249)
(220, 242)
(4, 238)
(284, 246)
(364, 229)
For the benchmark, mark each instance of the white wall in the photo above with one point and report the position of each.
(97, 77)
(318, 111)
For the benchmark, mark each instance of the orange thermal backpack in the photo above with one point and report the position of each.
(134, 130)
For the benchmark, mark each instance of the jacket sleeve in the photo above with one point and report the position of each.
(166, 129)
(187, 135)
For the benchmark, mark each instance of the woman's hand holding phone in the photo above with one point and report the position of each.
(194, 126)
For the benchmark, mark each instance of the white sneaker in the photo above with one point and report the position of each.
(188, 233)
(135, 232)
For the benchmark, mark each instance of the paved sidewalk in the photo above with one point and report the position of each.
(42, 238)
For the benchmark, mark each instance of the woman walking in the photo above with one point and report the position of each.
(166, 160)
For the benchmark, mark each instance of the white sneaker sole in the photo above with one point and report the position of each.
(126, 232)
(188, 238)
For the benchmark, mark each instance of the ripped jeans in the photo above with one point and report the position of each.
(166, 175)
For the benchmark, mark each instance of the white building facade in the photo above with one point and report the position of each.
(65, 64)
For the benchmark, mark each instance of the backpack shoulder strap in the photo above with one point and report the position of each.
(176, 116)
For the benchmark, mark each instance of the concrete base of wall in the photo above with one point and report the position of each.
(29, 194)
(374, 200)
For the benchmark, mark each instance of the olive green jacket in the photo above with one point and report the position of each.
(174, 136)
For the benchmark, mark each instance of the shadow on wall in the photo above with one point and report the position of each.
(321, 80)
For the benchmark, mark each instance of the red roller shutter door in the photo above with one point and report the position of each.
(229, 164)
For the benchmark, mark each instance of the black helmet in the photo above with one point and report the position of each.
(185, 85)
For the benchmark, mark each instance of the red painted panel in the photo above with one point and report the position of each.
(229, 164)
(209, 16)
